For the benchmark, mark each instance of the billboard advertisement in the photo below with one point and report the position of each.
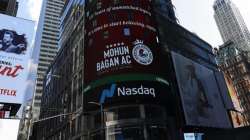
(120, 38)
(200, 96)
(16, 43)
(121, 47)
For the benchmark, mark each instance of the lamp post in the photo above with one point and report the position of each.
(102, 115)
(79, 111)
(41, 75)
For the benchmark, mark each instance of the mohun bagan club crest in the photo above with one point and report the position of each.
(141, 53)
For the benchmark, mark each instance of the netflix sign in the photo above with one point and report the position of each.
(15, 51)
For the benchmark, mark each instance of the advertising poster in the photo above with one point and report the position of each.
(16, 43)
(200, 97)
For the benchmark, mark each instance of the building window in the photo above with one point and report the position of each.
(126, 31)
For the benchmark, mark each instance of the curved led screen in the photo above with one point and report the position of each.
(121, 39)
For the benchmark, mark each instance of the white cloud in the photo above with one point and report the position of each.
(33, 7)
(197, 16)
(29, 9)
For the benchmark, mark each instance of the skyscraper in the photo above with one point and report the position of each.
(9, 7)
(231, 24)
(47, 38)
(232, 58)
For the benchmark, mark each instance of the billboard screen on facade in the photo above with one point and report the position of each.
(200, 97)
(120, 38)
(16, 43)
(122, 47)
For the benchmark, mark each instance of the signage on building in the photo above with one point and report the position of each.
(129, 91)
(120, 39)
(200, 95)
(123, 59)
(16, 43)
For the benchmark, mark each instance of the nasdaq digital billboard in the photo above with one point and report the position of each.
(121, 46)
(200, 95)
(16, 42)
(130, 91)
(120, 38)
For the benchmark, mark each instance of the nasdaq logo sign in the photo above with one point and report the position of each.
(121, 91)
(107, 93)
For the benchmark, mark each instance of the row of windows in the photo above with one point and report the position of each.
(56, 3)
(52, 11)
(55, 26)
(52, 15)
(51, 42)
(57, 20)
(54, 8)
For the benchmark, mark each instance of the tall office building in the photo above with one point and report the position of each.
(47, 39)
(231, 24)
(231, 56)
(8, 7)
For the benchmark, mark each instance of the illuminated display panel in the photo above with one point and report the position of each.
(121, 42)
(120, 39)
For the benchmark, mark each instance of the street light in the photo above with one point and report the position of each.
(59, 115)
(102, 115)
(78, 111)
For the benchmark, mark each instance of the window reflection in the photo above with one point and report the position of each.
(127, 133)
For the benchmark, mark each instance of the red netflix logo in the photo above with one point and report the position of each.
(10, 71)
